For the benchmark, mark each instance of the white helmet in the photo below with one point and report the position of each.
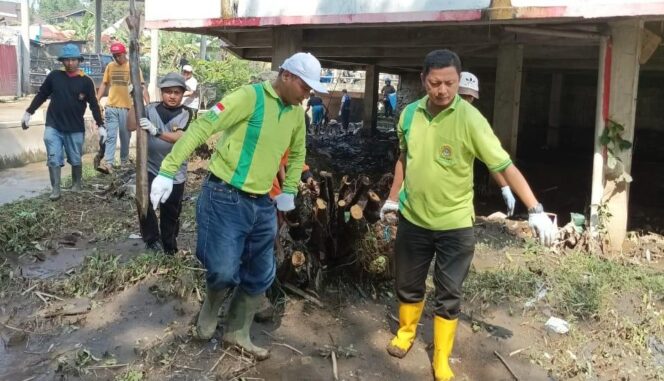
(469, 85)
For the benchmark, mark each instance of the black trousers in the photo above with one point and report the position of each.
(415, 247)
(345, 119)
(169, 220)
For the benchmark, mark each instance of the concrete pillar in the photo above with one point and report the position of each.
(370, 98)
(410, 89)
(601, 108)
(553, 132)
(25, 47)
(626, 50)
(155, 96)
(508, 95)
(285, 43)
(98, 26)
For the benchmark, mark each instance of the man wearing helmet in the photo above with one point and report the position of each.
(469, 90)
(117, 79)
(70, 91)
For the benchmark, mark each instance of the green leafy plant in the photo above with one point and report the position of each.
(612, 139)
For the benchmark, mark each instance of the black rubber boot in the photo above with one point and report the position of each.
(76, 178)
(54, 174)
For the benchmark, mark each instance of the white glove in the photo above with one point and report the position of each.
(25, 121)
(161, 189)
(285, 202)
(388, 206)
(509, 199)
(103, 134)
(148, 126)
(542, 227)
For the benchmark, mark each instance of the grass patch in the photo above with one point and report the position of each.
(579, 284)
(25, 222)
(104, 273)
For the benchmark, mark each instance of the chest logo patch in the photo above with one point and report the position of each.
(81, 96)
(446, 152)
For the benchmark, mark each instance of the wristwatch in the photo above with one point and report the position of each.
(538, 208)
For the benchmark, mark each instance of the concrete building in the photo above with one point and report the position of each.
(543, 64)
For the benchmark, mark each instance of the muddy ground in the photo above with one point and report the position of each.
(80, 299)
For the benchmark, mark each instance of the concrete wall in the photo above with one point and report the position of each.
(19, 147)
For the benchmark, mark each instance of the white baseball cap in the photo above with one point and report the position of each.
(469, 85)
(188, 68)
(307, 67)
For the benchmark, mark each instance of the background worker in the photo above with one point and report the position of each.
(385, 93)
(236, 218)
(70, 91)
(440, 136)
(117, 79)
(191, 95)
(344, 109)
(165, 123)
(315, 103)
(469, 90)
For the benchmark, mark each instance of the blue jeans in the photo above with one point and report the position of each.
(116, 121)
(318, 113)
(60, 143)
(236, 235)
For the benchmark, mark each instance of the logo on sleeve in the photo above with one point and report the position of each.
(214, 112)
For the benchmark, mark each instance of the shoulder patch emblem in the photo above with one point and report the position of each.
(214, 112)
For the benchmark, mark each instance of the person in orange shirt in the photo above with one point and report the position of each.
(307, 176)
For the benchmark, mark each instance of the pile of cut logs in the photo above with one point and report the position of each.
(333, 225)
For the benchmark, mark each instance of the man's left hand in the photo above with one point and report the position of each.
(285, 202)
(148, 126)
(542, 227)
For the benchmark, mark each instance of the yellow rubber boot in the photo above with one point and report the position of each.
(409, 316)
(443, 341)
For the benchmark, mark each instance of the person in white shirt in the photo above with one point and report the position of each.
(190, 98)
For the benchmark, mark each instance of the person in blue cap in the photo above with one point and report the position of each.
(70, 91)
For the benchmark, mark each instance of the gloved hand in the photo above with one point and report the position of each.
(161, 189)
(103, 134)
(509, 199)
(542, 227)
(25, 121)
(388, 206)
(148, 126)
(285, 202)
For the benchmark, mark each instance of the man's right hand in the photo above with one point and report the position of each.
(161, 189)
(25, 121)
(388, 207)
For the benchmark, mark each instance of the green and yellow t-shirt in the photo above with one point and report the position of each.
(117, 77)
(437, 192)
(256, 129)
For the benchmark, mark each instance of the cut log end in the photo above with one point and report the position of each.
(356, 212)
(298, 259)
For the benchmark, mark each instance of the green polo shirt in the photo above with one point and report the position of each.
(256, 129)
(437, 192)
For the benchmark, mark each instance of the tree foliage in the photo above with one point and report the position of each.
(84, 27)
(46, 9)
(224, 75)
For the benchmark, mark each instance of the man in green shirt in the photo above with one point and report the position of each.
(440, 136)
(236, 218)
